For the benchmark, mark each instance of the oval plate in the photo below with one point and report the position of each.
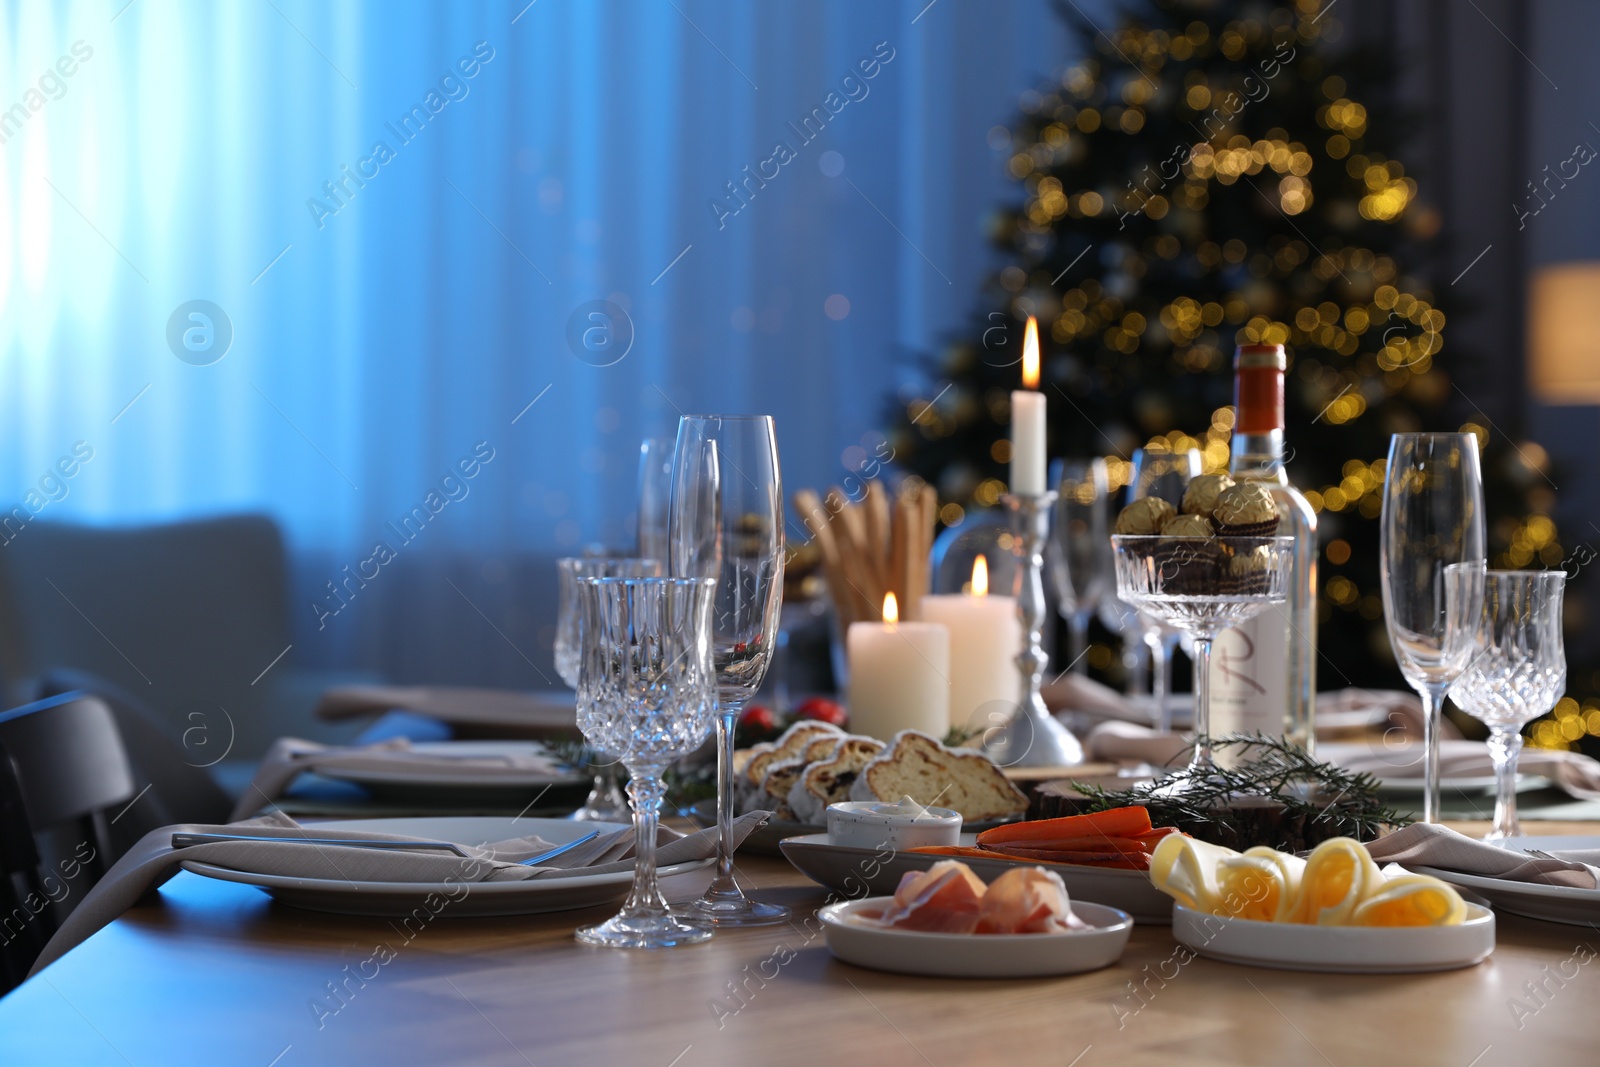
(975, 955)
(1337, 949)
(857, 872)
(391, 899)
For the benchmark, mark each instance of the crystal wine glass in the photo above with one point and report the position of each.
(1201, 587)
(1166, 475)
(1432, 518)
(1078, 554)
(647, 691)
(1517, 672)
(605, 803)
(727, 524)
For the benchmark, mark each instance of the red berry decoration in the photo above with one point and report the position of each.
(821, 709)
(758, 718)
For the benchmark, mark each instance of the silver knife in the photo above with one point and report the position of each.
(184, 840)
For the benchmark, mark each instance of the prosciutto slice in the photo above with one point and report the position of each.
(1027, 900)
(944, 899)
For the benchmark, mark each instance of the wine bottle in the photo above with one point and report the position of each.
(1263, 671)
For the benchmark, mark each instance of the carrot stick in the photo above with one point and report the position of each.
(1118, 822)
(1073, 844)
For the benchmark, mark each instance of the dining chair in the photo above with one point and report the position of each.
(64, 779)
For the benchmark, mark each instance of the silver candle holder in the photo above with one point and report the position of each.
(1032, 737)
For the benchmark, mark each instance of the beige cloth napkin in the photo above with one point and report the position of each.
(290, 756)
(476, 707)
(1574, 772)
(1431, 845)
(1126, 742)
(153, 860)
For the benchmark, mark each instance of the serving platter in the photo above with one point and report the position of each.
(1337, 949)
(766, 840)
(974, 955)
(862, 872)
(552, 892)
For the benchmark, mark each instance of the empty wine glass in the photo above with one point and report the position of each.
(606, 802)
(1202, 587)
(1432, 518)
(1078, 552)
(655, 496)
(727, 524)
(646, 691)
(1517, 672)
(1166, 475)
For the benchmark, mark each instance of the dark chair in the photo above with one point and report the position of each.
(64, 778)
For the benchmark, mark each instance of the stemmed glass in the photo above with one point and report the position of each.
(1202, 587)
(727, 524)
(655, 496)
(647, 691)
(605, 803)
(1432, 518)
(1078, 553)
(1517, 672)
(1166, 475)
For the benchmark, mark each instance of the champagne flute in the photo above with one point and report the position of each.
(646, 690)
(605, 802)
(1166, 475)
(1517, 672)
(1078, 551)
(727, 524)
(1432, 518)
(655, 496)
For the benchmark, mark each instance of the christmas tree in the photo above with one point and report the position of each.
(1213, 175)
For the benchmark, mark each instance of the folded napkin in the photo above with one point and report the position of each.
(1126, 742)
(153, 860)
(1338, 711)
(1431, 845)
(1574, 772)
(289, 756)
(527, 712)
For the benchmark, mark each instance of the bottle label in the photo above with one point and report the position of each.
(1250, 676)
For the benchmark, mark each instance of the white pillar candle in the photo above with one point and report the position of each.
(985, 638)
(899, 676)
(1028, 421)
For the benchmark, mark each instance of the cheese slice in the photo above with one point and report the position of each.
(1186, 870)
(1339, 874)
(1261, 884)
(1411, 900)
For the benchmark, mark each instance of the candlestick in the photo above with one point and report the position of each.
(1032, 737)
(899, 676)
(1028, 422)
(984, 638)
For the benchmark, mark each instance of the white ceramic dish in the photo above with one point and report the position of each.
(1552, 903)
(442, 773)
(975, 955)
(1474, 787)
(860, 872)
(765, 841)
(868, 824)
(1337, 949)
(529, 897)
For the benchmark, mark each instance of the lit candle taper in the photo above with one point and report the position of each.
(1028, 421)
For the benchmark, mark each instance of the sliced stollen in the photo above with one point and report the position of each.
(920, 767)
(792, 744)
(775, 787)
(828, 781)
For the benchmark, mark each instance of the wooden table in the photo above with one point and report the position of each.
(217, 974)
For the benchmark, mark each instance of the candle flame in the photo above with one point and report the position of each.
(980, 576)
(1030, 354)
(891, 609)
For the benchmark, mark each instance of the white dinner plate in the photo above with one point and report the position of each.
(859, 872)
(442, 773)
(1474, 786)
(1552, 903)
(975, 955)
(1337, 949)
(529, 897)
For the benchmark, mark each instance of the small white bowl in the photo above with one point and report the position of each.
(1339, 949)
(975, 955)
(876, 825)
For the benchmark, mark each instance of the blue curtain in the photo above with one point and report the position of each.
(361, 265)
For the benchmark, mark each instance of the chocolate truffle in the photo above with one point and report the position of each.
(1201, 496)
(1246, 510)
(1144, 516)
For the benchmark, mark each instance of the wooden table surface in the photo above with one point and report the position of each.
(215, 973)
